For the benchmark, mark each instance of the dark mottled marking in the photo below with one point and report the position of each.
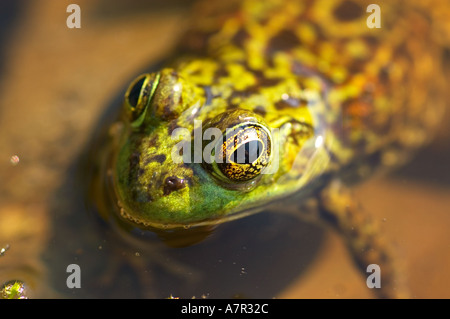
(239, 37)
(282, 104)
(290, 102)
(384, 73)
(133, 164)
(371, 40)
(172, 126)
(246, 92)
(348, 11)
(232, 106)
(160, 158)
(260, 110)
(173, 183)
(285, 40)
(134, 159)
(403, 51)
(152, 141)
(263, 20)
(262, 79)
(256, 73)
(168, 113)
(320, 34)
(300, 130)
(268, 81)
(356, 66)
(221, 72)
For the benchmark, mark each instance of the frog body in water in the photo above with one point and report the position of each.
(273, 100)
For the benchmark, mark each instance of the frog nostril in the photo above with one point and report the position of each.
(173, 183)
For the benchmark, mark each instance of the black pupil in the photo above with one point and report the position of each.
(135, 92)
(247, 153)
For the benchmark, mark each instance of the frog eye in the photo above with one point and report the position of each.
(139, 95)
(244, 152)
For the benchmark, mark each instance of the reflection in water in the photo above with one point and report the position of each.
(9, 11)
(240, 258)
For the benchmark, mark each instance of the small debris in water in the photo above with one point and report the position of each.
(14, 160)
(4, 249)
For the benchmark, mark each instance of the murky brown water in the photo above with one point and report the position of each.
(56, 82)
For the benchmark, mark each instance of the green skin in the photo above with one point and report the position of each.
(339, 100)
(141, 176)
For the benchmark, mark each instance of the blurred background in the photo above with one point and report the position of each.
(56, 82)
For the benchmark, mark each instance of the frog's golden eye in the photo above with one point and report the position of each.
(244, 152)
(139, 95)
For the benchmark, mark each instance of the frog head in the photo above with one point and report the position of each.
(187, 159)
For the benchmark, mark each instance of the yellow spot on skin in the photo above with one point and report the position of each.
(327, 51)
(339, 74)
(357, 49)
(242, 78)
(199, 71)
(306, 33)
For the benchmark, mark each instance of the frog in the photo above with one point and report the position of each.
(320, 200)
(273, 102)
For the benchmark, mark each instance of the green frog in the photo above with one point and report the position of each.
(270, 102)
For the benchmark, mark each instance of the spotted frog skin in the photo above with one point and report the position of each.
(312, 97)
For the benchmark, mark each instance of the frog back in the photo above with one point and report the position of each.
(382, 83)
